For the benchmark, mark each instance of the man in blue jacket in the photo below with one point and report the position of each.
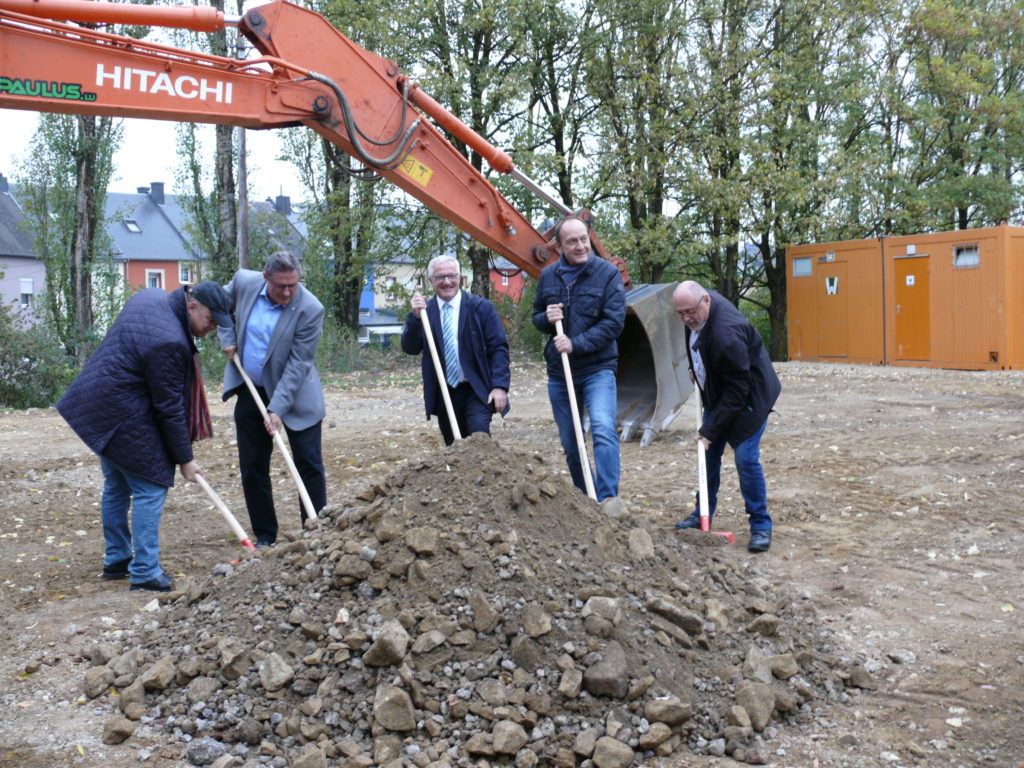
(586, 293)
(471, 346)
(139, 404)
(738, 388)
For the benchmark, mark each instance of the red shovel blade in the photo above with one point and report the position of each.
(705, 526)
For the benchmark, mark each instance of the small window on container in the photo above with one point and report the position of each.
(802, 266)
(966, 257)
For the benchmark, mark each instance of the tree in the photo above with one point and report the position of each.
(64, 184)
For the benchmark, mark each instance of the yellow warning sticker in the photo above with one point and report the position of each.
(416, 170)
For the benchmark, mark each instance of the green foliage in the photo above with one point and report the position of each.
(517, 317)
(35, 369)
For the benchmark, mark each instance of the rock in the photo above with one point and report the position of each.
(614, 508)
(669, 711)
(536, 621)
(159, 675)
(311, 757)
(275, 673)
(428, 641)
(612, 753)
(422, 541)
(392, 709)
(766, 625)
(227, 761)
(737, 715)
(389, 647)
(756, 666)
(641, 547)
(758, 700)
(657, 734)
(234, 658)
(571, 684)
(609, 676)
(485, 618)
(585, 742)
(783, 666)
(508, 737)
(608, 608)
(690, 622)
(494, 692)
(204, 751)
(117, 729)
(201, 689)
(716, 612)
(861, 678)
(97, 681)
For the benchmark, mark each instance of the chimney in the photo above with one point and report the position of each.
(4, 186)
(156, 192)
(283, 204)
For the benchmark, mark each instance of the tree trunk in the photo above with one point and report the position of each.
(81, 249)
(224, 192)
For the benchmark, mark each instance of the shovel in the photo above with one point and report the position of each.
(225, 513)
(307, 503)
(702, 472)
(581, 444)
(439, 370)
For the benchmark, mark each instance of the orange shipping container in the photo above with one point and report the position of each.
(944, 300)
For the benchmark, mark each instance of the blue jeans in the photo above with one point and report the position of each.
(596, 394)
(141, 541)
(751, 475)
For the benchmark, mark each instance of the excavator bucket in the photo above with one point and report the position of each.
(654, 373)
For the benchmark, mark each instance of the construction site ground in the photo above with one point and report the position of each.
(897, 494)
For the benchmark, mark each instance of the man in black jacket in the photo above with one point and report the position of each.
(586, 293)
(738, 388)
(139, 404)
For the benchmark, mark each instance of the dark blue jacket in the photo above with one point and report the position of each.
(594, 312)
(483, 349)
(741, 386)
(130, 401)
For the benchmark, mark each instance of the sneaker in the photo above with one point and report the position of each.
(118, 570)
(760, 541)
(693, 521)
(261, 543)
(161, 583)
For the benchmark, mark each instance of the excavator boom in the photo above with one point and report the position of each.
(310, 74)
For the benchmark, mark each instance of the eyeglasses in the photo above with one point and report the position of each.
(445, 278)
(691, 311)
(284, 286)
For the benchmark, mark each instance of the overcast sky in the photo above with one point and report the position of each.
(147, 154)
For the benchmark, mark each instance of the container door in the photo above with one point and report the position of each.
(913, 324)
(833, 310)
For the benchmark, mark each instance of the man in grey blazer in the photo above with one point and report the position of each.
(277, 329)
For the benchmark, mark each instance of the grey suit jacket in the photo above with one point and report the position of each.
(289, 375)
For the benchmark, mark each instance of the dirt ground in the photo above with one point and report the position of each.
(897, 498)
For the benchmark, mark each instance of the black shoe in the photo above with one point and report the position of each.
(116, 570)
(693, 521)
(760, 541)
(261, 543)
(160, 584)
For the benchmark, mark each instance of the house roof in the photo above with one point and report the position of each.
(143, 229)
(14, 240)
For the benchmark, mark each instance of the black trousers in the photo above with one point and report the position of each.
(470, 414)
(255, 447)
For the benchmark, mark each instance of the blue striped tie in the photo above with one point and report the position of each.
(451, 352)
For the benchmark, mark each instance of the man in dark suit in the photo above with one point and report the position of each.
(471, 346)
(278, 328)
(738, 388)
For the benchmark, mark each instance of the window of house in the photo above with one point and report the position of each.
(28, 293)
(185, 273)
(132, 226)
(504, 280)
(364, 334)
(154, 278)
(802, 266)
(966, 256)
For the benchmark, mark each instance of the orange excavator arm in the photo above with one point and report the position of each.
(309, 74)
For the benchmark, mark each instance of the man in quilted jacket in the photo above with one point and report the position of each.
(138, 403)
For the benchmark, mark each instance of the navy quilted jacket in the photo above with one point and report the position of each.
(130, 401)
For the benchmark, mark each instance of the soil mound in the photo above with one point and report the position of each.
(474, 606)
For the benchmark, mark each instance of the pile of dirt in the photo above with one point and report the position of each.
(474, 606)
